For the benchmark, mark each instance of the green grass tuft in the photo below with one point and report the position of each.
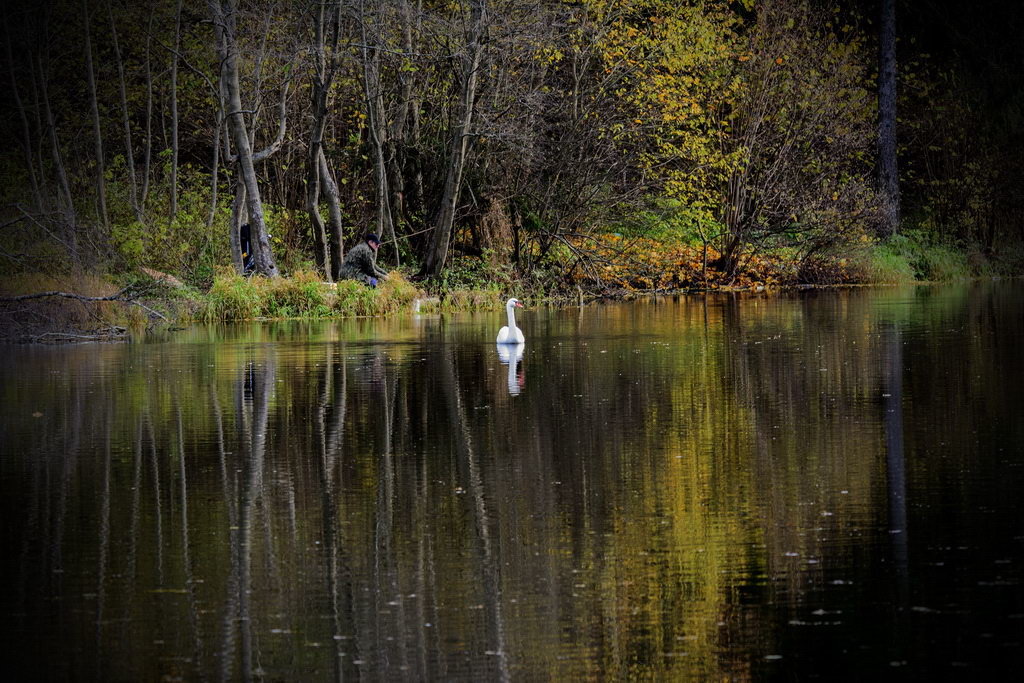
(884, 265)
(232, 297)
(303, 295)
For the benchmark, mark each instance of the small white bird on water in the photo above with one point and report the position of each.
(511, 334)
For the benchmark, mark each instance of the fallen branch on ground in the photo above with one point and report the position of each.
(113, 334)
(126, 295)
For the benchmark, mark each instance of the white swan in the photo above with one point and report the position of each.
(511, 334)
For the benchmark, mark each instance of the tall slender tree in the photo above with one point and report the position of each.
(371, 46)
(174, 109)
(26, 140)
(97, 130)
(129, 152)
(888, 171)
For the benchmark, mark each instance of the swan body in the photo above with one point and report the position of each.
(511, 334)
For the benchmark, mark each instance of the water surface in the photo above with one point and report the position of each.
(824, 483)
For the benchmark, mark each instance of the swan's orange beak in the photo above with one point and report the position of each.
(519, 304)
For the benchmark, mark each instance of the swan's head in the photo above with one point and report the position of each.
(513, 303)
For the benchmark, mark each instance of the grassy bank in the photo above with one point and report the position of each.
(642, 264)
(620, 266)
(303, 295)
(138, 300)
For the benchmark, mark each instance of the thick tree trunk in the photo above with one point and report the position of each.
(438, 253)
(316, 222)
(888, 172)
(237, 218)
(224, 19)
(335, 244)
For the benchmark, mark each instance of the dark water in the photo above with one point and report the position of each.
(819, 484)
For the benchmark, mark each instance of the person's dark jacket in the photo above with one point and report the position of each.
(361, 264)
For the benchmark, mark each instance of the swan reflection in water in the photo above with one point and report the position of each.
(512, 356)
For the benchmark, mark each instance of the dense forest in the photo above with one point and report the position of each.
(549, 145)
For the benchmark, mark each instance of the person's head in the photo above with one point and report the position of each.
(373, 240)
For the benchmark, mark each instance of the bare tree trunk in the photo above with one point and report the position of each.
(40, 149)
(129, 152)
(66, 202)
(26, 141)
(471, 57)
(322, 78)
(316, 222)
(237, 218)
(174, 110)
(224, 21)
(101, 189)
(215, 171)
(888, 172)
(335, 244)
(395, 149)
(376, 125)
(148, 153)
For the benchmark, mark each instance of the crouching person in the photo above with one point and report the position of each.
(361, 262)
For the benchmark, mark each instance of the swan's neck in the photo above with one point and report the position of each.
(511, 317)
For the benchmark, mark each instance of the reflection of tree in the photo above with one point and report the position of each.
(104, 541)
(495, 622)
(186, 559)
(254, 389)
(332, 397)
(158, 527)
(666, 496)
(896, 468)
(896, 479)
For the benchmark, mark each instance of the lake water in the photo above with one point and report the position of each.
(817, 484)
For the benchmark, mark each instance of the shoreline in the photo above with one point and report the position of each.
(59, 320)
